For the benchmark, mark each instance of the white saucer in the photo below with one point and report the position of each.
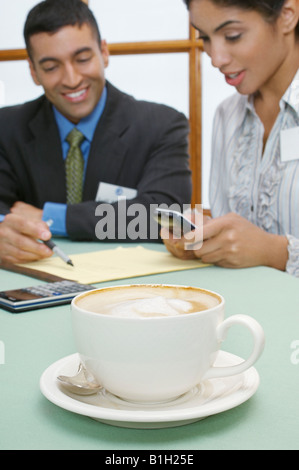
(212, 397)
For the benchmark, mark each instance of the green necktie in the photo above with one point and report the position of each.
(74, 166)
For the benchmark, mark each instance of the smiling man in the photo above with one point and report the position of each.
(124, 146)
(70, 66)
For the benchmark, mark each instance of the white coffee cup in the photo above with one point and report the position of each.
(160, 352)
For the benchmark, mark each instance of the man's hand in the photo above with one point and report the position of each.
(19, 236)
(26, 210)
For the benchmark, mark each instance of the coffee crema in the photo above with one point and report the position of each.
(147, 301)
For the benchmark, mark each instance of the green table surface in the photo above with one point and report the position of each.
(32, 341)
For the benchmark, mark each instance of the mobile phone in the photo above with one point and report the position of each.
(174, 221)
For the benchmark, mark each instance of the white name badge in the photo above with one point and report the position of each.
(112, 193)
(289, 144)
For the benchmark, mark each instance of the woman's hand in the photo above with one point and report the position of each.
(231, 241)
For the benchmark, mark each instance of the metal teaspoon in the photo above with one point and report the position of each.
(79, 383)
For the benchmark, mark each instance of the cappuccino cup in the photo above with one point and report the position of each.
(153, 343)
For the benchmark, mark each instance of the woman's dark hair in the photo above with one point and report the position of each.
(269, 9)
(51, 15)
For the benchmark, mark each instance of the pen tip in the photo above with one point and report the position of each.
(70, 262)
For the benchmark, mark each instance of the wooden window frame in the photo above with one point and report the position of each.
(192, 46)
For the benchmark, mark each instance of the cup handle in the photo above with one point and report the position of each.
(259, 341)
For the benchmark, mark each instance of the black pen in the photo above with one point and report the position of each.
(50, 244)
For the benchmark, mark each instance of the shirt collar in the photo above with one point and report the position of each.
(291, 96)
(87, 125)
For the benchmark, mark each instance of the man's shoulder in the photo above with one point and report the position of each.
(138, 107)
(21, 112)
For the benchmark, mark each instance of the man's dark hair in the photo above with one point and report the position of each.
(51, 15)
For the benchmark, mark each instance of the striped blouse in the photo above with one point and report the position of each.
(251, 182)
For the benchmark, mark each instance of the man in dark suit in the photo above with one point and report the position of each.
(135, 149)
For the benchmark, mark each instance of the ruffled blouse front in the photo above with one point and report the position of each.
(253, 181)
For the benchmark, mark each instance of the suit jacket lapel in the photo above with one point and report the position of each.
(45, 154)
(108, 149)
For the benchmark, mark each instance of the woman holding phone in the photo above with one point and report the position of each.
(254, 186)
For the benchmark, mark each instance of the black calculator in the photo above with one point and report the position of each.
(41, 296)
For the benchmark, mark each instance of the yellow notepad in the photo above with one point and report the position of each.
(118, 263)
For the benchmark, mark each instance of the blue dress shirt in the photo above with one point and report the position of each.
(54, 211)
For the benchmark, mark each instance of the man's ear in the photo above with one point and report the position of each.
(290, 15)
(105, 52)
(33, 72)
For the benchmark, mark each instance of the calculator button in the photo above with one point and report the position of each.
(58, 288)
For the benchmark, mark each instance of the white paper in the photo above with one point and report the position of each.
(289, 144)
(112, 193)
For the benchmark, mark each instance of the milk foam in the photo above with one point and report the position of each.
(149, 307)
(147, 301)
